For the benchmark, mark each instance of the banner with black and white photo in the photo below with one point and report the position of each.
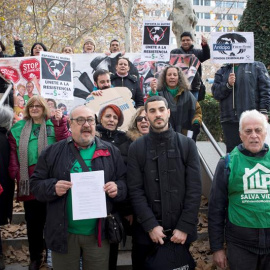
(234, 47)
(56, 76)
(156, 40)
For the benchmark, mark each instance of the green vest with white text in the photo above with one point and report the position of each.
(249, 190)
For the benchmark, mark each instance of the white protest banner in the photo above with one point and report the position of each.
(56, 76)
(235, 47)
(120, 96)
(156, 40)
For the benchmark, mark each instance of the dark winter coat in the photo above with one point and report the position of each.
(116, 137)
(251, 90)
(164, 184)
(184, 109)
(54, 164)
(249, 238)
(6, 198)
(132, 83)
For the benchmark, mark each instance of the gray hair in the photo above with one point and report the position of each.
(182, 81)
(6, 117)
(79, 106)
(252, 114)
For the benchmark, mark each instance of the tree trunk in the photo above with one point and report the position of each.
(183, 18)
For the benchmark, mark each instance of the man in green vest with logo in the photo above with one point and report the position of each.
(240, 200)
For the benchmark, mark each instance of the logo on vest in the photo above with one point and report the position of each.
(256, 184)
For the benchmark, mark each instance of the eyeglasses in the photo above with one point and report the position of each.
(81, 120)
(140, 118)
(35, 106)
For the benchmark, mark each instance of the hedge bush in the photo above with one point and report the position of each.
(210, 115)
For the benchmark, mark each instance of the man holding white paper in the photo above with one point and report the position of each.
(69, 228)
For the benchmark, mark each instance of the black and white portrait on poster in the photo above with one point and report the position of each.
(156, 40)
(56, 76)
(232, 47)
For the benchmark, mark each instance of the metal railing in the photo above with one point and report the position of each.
(215, 145)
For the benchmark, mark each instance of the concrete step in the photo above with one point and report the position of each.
(18, 218)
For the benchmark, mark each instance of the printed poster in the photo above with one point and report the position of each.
(156, 40)
(56, 76)
(232, 48)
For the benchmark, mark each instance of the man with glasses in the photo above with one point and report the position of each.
(66, 237)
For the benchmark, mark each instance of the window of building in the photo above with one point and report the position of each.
(241, 5)
(229, 17)
(196, 2)
(207, 2)
(197, 28)
(157, 13)
(207, 15)
(218, 3)
(239, 17)
(207, 29)
(218, 16)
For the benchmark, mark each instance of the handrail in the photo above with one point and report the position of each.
(212, 140)
(4, 97)
(205, 166)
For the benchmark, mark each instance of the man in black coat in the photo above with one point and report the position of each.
(164, 184)
(239, 88)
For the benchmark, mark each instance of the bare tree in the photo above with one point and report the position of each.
(183, 18)
(127, 21)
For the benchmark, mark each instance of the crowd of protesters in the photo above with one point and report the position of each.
(151, 172)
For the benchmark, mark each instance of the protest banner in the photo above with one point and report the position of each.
(120, 96)
(24, 72)
(230, 48)
(56, 76)
(156, 40)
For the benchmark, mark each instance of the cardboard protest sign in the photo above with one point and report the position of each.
(120, 96)
(156, 40)
(56, 76)
(235, 47)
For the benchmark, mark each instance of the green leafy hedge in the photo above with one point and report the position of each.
(210, 115)
(256, 18)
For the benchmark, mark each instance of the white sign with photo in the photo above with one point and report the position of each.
(232, 48)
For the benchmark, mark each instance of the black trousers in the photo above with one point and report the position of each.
(242, 259)
(231, 134)
(35, 217)
(1, 248)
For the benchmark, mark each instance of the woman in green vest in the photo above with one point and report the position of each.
(27, 138)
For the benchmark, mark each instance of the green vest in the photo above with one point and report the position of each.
(33, 140)
(249, 190)
(84, 226)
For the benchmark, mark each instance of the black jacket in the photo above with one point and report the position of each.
(6, 198)
(54, 164)
(132, 83)
(116, 137)
(164, 183)
(202, 54)
(248, 238)
(251, 90)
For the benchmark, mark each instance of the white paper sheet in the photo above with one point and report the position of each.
(88, 196)
(190, 134)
